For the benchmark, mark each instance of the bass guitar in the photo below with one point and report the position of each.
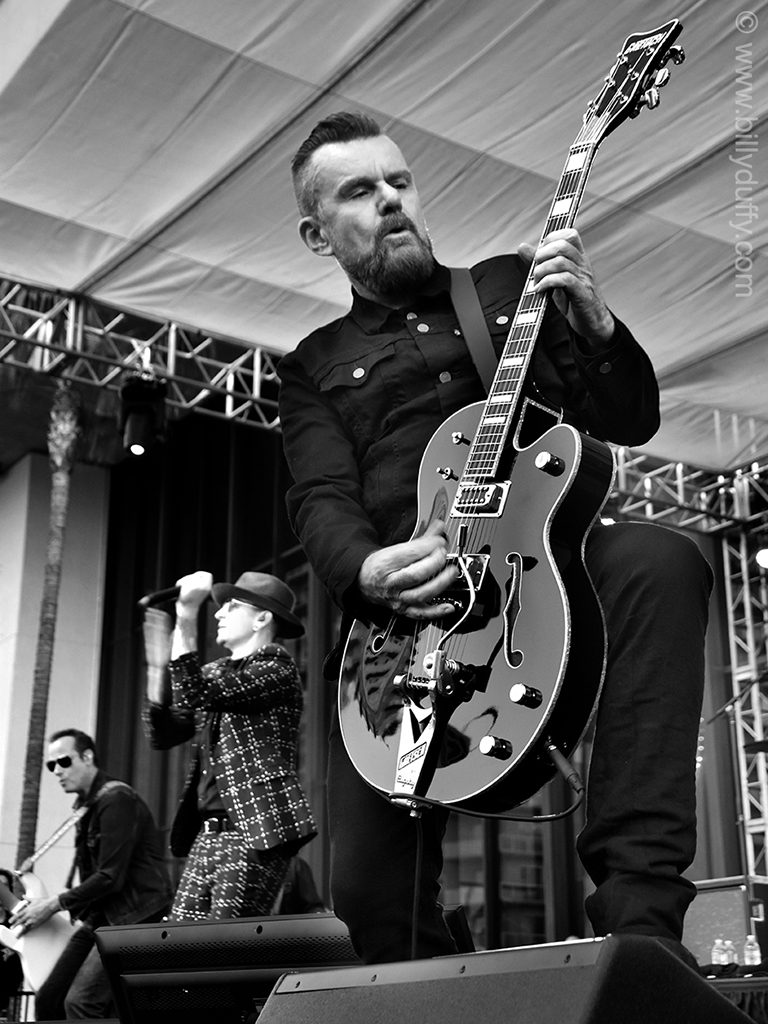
(475, 710)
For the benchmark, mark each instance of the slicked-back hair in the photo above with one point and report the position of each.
(82, 740)
(345, 126)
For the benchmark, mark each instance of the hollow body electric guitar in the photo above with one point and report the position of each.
(474, 709)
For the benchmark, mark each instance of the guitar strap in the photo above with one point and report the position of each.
(473, 326)
(67, 825)
(81, 811)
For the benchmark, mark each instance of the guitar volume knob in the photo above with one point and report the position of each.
(495, 746)
(549, 463)
(528, 696)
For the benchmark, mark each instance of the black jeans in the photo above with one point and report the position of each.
(52, 994)
(640, 831)
(78, 987)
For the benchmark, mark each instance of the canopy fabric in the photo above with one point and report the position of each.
(146, 147)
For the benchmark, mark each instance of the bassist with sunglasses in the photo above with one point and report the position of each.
(122, 879)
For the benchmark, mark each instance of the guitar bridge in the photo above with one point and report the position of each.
(474, 565)
(474, 499)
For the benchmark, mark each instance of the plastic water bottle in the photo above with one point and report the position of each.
(731, 956)
(752, 954)
(718, 952)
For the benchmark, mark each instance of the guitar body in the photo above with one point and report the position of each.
(40, 948)
(527, 613)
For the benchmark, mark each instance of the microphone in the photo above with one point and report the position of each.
(159, 597)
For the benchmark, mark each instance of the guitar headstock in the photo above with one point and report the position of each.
(634, 80)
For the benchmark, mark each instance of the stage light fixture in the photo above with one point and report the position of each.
(761, 556)
(142, 412)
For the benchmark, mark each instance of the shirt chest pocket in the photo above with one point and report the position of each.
(498, 318)
(364, 390)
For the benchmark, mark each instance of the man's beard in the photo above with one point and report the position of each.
(392, 270)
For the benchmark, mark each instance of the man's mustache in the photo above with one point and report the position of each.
(395, 222)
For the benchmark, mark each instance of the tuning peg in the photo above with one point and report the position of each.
(662, 77)
(650, 99)
(676, 54)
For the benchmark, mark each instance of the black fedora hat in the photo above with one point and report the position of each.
(263, 591)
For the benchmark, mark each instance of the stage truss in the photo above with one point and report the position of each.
(734, 508)
(87, 343)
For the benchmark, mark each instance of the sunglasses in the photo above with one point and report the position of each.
(62, 762)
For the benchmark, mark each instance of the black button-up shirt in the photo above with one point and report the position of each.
(361, 397)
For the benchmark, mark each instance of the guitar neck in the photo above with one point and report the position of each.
(633, 81)
(504, 397)
(60, 831)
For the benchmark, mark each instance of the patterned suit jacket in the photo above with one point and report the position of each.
(254, 707)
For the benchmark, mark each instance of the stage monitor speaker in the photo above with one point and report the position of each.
(623, 979)
(195, 972)
(730, 908)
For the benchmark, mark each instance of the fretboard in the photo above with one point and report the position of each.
(504, 397)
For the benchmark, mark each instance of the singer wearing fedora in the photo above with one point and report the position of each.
(243, 813)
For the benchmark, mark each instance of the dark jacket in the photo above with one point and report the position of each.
(254, 708)
(120, 859)
(361, 397)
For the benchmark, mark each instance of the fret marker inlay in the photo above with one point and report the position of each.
(576, 160)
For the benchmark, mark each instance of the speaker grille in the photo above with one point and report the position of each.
(242, 951)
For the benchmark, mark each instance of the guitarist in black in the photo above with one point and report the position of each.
(360, 399)
(122, 879)
(11, 972)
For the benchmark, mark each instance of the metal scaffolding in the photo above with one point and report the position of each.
(747, 597)
(734, 506)
(89, 343)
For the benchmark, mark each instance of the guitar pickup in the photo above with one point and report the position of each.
(480, 499)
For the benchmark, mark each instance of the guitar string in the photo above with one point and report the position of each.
(485, 449)
(571, 186)
(479, 528)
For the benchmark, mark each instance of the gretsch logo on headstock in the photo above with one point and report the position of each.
(643, 44)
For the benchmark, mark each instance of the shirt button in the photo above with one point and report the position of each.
(358, 372)
(502, 319)
(445, 377)
(457, 332)
(410, 316)
(605, 367)
(422, 328)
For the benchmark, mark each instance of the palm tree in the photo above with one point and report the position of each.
(63, 434)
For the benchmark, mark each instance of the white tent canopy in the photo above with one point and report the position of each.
(146, 145)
